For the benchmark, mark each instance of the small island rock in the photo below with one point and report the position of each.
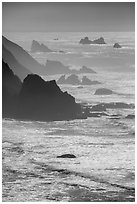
(103, 91)
(116, 45)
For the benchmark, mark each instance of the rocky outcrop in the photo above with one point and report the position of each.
(97, 41)
(74, 80)
(16, 67)
(67, 156)
(112, 105)
(116, 45)
(103, 91)
(86, 81)
(41, 100)
(11, 86)
(23, 57)
(37, 47)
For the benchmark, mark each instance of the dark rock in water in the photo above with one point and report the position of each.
(16, 67)
(112, 105)
(80, 87)
(97, 41)
(67, 156)
(86, 81)
(61, 51)
(40, 100)
(97, 114)
(11, 86)
(130, 116)
(37, 47)
(103, 91)
(116, 45)
(85, 69)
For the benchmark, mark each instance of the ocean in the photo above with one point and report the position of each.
(104, 167)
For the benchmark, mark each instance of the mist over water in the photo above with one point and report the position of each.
(99, 57)
(104, 167)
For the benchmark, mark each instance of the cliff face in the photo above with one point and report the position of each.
(23, 57)
(11, 86)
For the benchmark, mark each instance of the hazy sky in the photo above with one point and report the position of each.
(68, 16)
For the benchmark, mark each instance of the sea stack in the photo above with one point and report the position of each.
(116, 45)
(97, 41)
(37, 47)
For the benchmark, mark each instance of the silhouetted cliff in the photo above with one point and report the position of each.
(23, 57)
(11, 86)
(40, 100)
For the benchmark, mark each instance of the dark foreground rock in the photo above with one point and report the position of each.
(40, 100)
(103, 91)
(97, 41)
(37, 47)
(67, 156)
(116, 45)
(36, 99)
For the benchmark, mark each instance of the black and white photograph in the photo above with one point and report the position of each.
(68, 101)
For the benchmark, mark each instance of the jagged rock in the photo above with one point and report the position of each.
(40, 100)
(86, 81)
(72, 79)
(116, 45)
(103, 91)
(67, 156)
(37, 47)
(97, 41)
